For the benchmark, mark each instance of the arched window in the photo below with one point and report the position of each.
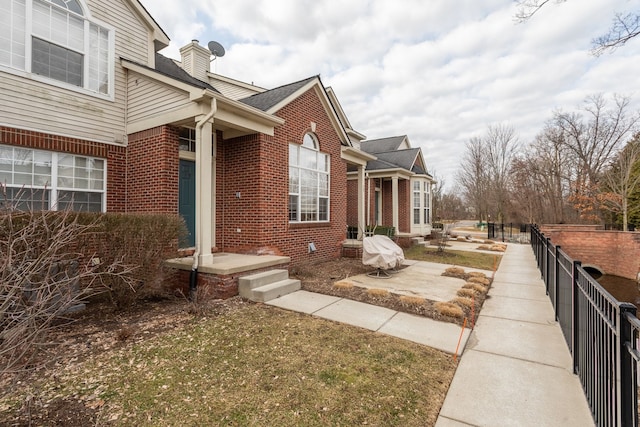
(58, 42)
(308, 181)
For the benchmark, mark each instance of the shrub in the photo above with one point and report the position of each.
(455, 272)
(412, 300)
(144, 241)
(43, 276)
(475, 286)
(449, 309)
(464, 302)
(342, 284)
(480, 280)
(374, 292)
(51, 262)
(466, 292)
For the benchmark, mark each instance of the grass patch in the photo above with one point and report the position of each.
(463, 258)
(257, 365)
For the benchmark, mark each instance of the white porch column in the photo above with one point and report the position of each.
(203, 191)
(361, 201)
(214, 187)
(394, 197)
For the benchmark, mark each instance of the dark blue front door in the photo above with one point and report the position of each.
(187, 198)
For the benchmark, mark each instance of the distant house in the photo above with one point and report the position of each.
(398, 188)
(95, 119)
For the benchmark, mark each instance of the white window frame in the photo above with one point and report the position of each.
(420, 202)
(310, 147)
(25, 70)
(55, 185)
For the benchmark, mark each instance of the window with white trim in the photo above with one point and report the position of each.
(55, 39)
(417, 198)
(421, 205)
(308, 182)
(427, 203)
(43, 180)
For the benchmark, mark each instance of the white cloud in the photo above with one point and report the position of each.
(439, 71)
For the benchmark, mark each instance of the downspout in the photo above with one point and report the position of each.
(193, 277)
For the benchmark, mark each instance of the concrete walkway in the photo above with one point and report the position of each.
(440, 335)
(516, 369)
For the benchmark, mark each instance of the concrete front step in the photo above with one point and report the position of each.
(275, 290)
(267, 285)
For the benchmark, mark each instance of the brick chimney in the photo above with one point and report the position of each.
(195, 60)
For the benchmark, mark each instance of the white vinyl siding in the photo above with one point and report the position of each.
(35, 105)
(147, 97)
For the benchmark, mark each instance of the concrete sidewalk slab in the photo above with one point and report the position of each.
(503, 289)
(418, 278)
(518, 309)
(357, 314)
(521, 340)
(494, 390)
(429, 332)
(516, 370)
(443, 336)
(304, 301)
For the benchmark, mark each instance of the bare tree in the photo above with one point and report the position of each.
(501, 145)
(484, 172)
(594, 135)
(42, 278)
(624, 27)
(622, 179)
(472, 177)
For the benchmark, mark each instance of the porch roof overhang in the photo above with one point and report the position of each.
(355, 156)
(233, 118)
(390, 173)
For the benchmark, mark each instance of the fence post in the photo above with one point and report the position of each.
(556, 273)
(627, 391)
(546, 266)
(576, 316)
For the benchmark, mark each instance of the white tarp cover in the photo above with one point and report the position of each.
(381, 252)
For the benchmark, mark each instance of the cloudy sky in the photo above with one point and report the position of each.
(439, 71)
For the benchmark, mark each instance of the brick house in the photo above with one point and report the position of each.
(397, 188)
(95, 119)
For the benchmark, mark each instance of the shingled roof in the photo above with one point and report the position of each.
(169, 68)
(268, 99)
(389, 156)
(382, 145)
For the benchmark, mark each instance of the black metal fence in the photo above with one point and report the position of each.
(508, 232)
(601, 332)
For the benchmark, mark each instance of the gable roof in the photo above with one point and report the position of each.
(273, 100)
(404, 159)
(383, 145)
(391, 156)
(270, 98)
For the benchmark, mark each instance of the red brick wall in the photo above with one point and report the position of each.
(613, 252)
(257, 167)
(352, 202)
(114, 154)
(152, 171)
(404, 206)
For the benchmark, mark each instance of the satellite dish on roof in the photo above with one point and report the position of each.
(216, 49)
